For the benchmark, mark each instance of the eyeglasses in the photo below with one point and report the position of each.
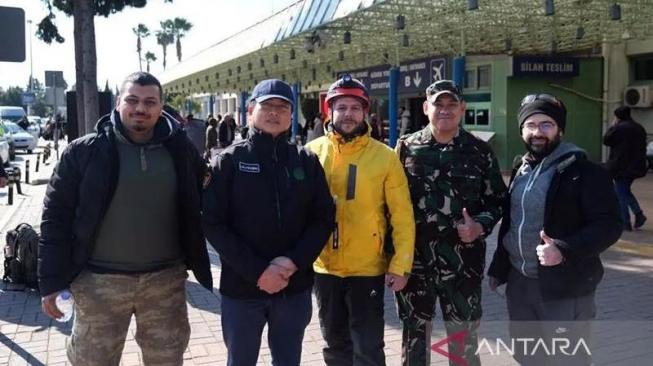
(443, 85)
(542, 126)
(545, 97)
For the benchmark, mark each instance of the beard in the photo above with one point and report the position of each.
(359, 130)
(540, 150)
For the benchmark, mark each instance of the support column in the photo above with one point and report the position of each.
(392, 106)
(459, 71)
(243, 108)
(296, 89)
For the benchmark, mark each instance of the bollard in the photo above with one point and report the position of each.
(16, 179)
(38, 161)
(46, 152)
(27, 171)
(10, 193)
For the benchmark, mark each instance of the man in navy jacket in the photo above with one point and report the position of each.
(268, 212)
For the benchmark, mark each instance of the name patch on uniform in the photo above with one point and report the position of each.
(249, 168)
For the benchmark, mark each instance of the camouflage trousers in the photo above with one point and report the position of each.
(105, 303)
(460, 302)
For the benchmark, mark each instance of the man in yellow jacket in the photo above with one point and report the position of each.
(370, 190)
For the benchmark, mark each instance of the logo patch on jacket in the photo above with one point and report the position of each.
(298, 173)
(249, 168)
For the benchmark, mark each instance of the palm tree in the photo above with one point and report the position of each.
(179, 28)
(165, 37)
(141, 31)
(149, 57)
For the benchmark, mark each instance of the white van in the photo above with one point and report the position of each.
(12, 114)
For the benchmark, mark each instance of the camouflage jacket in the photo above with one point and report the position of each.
(443, 179)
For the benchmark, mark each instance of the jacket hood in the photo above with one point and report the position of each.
(164, 129)
(565, 153)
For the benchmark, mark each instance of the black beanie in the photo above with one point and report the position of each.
(556, 111)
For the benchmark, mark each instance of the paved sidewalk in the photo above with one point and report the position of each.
(622, 333)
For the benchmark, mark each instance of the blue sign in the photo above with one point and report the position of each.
(542, 66)
(28, 98)
(414, 76)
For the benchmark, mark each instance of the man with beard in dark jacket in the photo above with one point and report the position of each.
(562, 213)
(226, 131)
(268, 212)
(121, 225)
(627, 162)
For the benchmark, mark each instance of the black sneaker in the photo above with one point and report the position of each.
(640, 219)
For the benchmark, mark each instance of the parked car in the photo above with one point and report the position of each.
(12, 114)
(5, 157)
(34, 126)
(19, 138)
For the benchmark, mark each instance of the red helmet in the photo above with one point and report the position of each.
(347, 86)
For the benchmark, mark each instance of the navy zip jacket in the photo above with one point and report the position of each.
(582, 215)
(81, 189)
(266, 198)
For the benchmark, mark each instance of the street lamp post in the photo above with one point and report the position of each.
(31, 62)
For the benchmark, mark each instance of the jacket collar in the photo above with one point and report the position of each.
(165, 128)
(348, 147)
(267, 145)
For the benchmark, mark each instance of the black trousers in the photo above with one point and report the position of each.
(550, 324)
(351, 319)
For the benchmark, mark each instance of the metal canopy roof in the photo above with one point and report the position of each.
(313, 30)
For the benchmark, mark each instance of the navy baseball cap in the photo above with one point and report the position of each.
(272, 88)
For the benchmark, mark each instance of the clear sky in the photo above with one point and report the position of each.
(213, 20)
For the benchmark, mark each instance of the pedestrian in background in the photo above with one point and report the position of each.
(377, 127)
(626, 162)
(211, 137)
(226, 131)
(196, 131)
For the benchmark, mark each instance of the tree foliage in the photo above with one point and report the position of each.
(83, 13)
(48, 31)
(164, 38)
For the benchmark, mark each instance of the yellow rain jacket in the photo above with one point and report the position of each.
(366, 180)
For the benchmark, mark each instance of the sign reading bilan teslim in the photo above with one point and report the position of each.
(542, 66)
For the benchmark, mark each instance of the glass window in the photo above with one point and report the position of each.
(470, 79)
(644, 68)
(470, 116)
(482, 117)
(484, 76)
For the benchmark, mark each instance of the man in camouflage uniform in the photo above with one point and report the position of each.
(457, 193)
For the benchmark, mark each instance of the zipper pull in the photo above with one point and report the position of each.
(335, 243)
(143, 159)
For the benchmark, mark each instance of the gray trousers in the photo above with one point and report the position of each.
(548, 332)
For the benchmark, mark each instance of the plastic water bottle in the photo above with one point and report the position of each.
(64, 302)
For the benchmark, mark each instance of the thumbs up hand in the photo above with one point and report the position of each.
(548, 253)
(469, 230)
